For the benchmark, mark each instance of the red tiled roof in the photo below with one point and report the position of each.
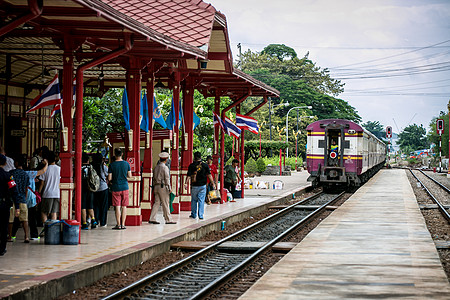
(187, 21)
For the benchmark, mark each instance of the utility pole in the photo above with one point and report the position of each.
(240, 55)
(270, 122)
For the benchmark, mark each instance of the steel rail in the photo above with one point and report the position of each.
(232, 272)
(441, 208)
(201, 253)
(435, 181)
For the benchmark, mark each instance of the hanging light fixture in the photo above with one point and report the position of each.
(160, 85)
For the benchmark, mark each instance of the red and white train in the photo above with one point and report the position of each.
(342, 153)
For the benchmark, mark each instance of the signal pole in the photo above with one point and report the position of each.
(448, 165)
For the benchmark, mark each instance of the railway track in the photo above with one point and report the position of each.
(198, 275)
(439, 193)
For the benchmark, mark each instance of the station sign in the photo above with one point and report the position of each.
(50, 134)
(18, 133)
(440, 126)
(389, 132)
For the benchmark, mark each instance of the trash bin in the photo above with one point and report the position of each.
(52, 230)
(236, 194)
(71, 232)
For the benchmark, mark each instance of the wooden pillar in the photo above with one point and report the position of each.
(174, 167)
(147, 172)
(188, 142)
(134, 217)
(66, 152)
(242, 163)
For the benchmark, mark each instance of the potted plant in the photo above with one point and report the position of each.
(260, 166)
(250, 167)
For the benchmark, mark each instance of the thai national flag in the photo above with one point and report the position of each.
(232, 129)
(56, 110)
(50, 96)
(248, 123)
(217, 120)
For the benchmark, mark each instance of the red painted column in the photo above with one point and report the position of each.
(147, 172)
(66, 154)
(188, 143)
(242, 163)
(175, 166)
(134, 217)
(216, 131)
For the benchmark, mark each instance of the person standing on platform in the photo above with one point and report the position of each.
(22, 179)
(32, 198)
(231, 178)
(8, 190)
(118, 172)
(215, 176)
(198, 172)
(9, 161)
(49, 189)
(101, 204)
(162, 189)
(87, 196)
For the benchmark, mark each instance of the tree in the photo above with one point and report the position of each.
(299, 81)
(250, 166)
(375, 128)
(433, 137)
(413, 138)
(260, 165)
(280, 51)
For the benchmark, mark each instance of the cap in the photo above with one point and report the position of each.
(164, 155)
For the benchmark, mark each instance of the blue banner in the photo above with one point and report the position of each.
(144, 113)
(125, 109)
(157, 116)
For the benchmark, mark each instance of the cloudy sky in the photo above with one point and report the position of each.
(393, 56)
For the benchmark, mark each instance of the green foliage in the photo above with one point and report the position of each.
(250, 166)
(433, 137)
(102, 116)
(260, 165)
(290, 161)
(413, 137)
(293, 71)
(251, 147)
(279, 51)
(375, 128)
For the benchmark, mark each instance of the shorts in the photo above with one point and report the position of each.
(50, 205)
(87, 200)
(120, 198)
(23, 215)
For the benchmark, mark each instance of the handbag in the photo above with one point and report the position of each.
(38, 196)
(214, 195)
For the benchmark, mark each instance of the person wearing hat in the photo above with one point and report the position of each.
(162, 189)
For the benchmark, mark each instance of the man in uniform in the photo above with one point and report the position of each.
(7, 187)
(162, 189)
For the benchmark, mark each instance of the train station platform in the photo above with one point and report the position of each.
(376, 245)
(39, 271)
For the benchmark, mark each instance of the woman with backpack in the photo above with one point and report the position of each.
(87, 195)
(101, 204)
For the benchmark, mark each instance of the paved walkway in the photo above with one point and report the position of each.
(30, 265)
(376, 245)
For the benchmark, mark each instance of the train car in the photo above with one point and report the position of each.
(342, 153)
